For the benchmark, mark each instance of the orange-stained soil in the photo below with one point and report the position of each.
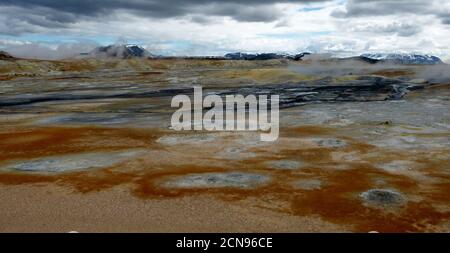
(337, 201)
(37, 142)
(393, 73)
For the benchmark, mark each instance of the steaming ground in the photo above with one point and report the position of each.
(85, 145)
(324, 67)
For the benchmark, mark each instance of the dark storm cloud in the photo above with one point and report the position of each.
(257, 13)
(357, 8)
(445, 18)
(14, 21)
(57, 13)
(361, 8)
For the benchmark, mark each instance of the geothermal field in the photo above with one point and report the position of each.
(86, 145)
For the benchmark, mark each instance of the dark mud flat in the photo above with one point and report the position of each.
(362, 89)
(94, 94)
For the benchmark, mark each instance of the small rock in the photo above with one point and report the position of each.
(386, 123)
(382, 197)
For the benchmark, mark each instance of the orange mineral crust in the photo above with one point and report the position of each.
(336, 198)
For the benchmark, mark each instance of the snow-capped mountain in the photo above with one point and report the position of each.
(398, 58)
(264, 56)
(121, 51)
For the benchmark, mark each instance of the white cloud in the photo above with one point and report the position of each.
(292, 30)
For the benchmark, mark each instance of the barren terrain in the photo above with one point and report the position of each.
(85, 145)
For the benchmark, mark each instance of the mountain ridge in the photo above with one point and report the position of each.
(264, 56)
(124, 51)
(6, 56)
(402, 58)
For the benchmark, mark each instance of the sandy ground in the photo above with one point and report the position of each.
(49, 208)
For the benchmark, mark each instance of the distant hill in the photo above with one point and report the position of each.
(5, 56)
(120, 51)
(408, 59)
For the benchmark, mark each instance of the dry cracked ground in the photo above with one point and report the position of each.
(85, 145)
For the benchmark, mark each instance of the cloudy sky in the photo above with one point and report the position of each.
(59, 28)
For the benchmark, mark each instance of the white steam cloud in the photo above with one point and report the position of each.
(36, 50)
